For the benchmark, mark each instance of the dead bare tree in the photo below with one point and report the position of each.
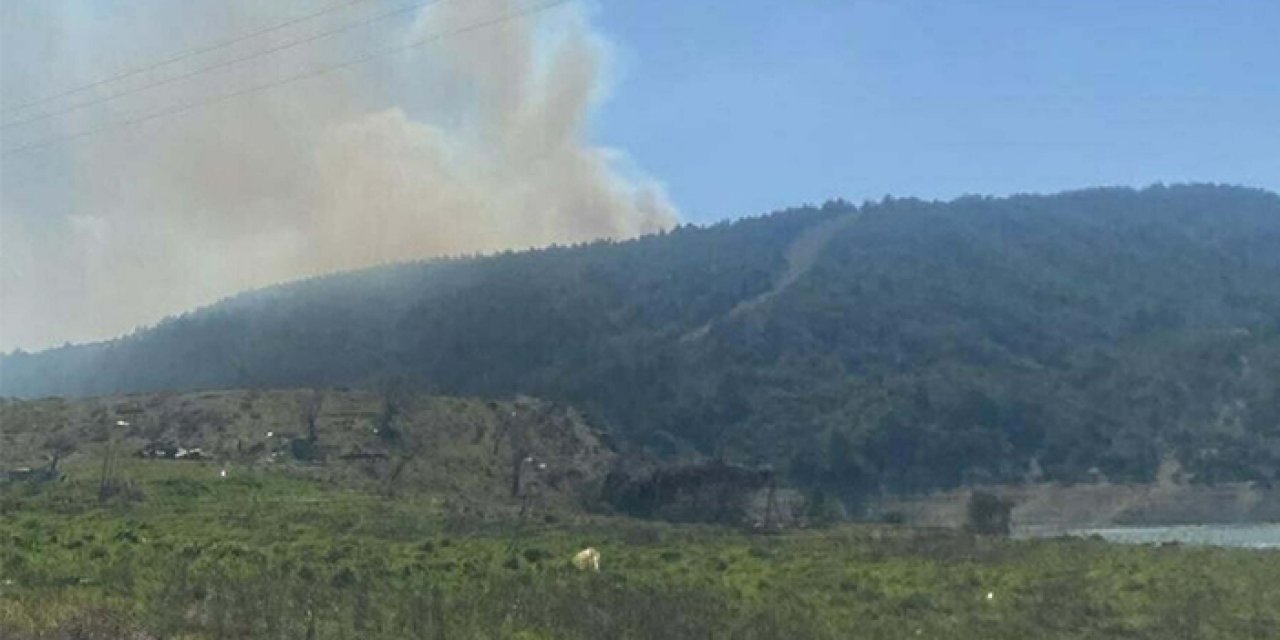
(396, 399)
(58, 446)
(312, 404)
(394, 471)
(403, 442)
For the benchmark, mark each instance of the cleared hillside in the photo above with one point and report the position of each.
(1078, 336)
(485, 458)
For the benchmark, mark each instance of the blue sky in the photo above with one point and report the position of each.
(743, 107)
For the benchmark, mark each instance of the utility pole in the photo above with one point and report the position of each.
(769, 503)
(107, 483)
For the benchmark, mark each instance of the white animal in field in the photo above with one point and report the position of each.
(586, 559)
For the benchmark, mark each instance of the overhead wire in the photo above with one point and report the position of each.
(220, 65)
(182, 108)
(190, 53)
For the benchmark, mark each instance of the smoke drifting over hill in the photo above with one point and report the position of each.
(477, 142)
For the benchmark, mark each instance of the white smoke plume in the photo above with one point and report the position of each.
(475, 143)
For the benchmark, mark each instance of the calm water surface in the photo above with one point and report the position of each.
(1253, 536)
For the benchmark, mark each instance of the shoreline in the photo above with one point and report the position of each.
(1094, 506)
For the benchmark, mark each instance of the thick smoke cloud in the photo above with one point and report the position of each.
(475, 143)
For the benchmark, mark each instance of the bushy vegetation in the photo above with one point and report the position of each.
(1073, 337)
(260, 555)
(989, 514)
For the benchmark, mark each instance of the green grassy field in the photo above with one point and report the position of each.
(184, 553)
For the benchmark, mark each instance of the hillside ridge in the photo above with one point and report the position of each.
(900, 346)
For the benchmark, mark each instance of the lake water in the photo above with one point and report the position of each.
(1252, 536)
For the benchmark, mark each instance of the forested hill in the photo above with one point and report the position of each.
(902, 345)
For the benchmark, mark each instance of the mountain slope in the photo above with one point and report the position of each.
(922, 344)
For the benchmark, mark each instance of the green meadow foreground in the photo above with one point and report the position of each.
(183, 553)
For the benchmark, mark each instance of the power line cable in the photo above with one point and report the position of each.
(220, 65)
(508, 17)
(128, 73)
